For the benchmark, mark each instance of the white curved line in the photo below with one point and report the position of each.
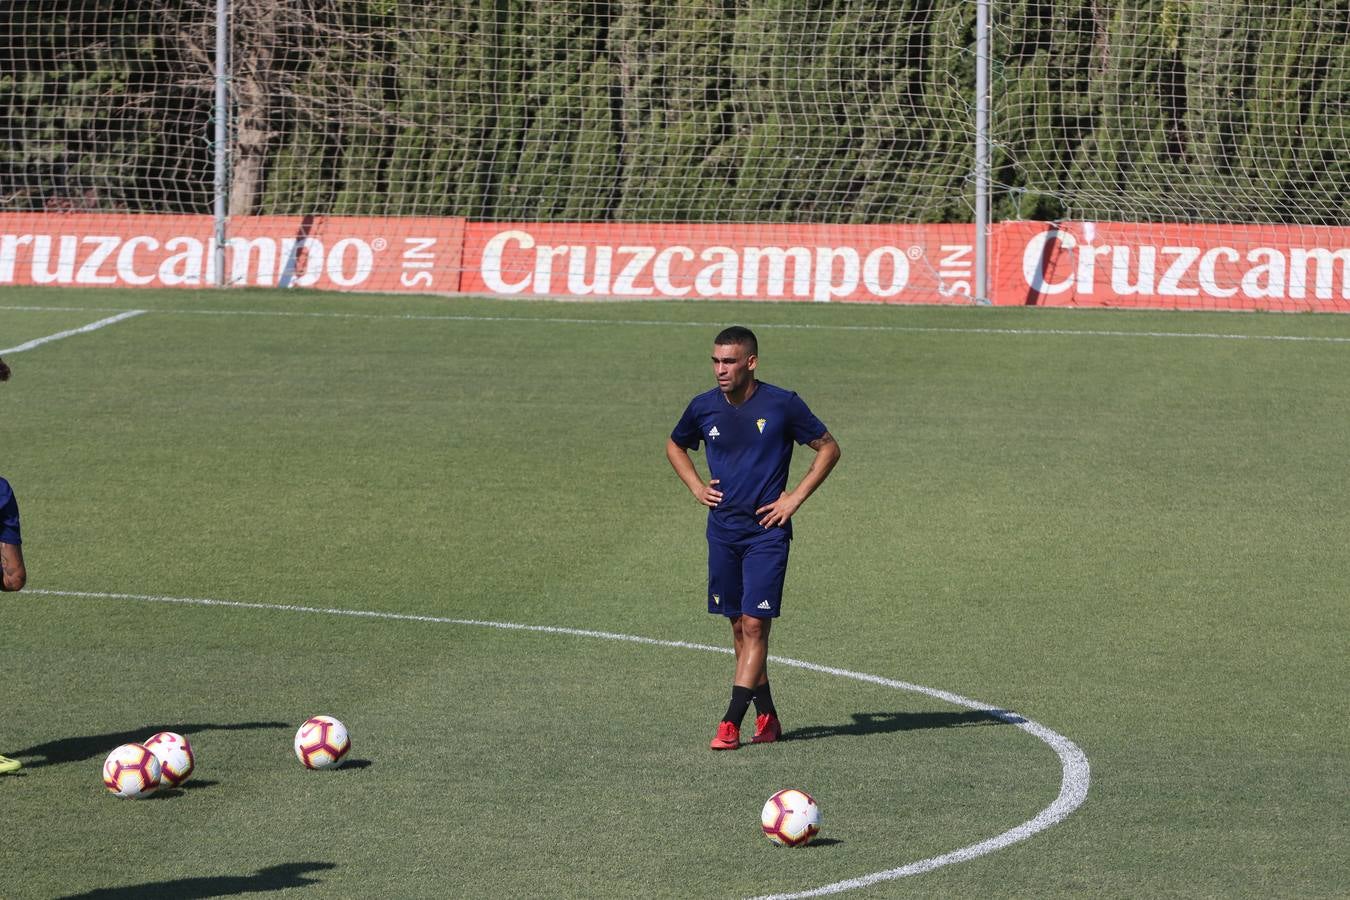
(1075, 771)
(1074, 779)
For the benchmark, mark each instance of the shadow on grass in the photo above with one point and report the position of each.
(196, 784)
(885, 723)
(272, 878)
(74, 749)
(166, 792)
(356, 764)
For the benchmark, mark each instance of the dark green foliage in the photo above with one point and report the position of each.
(683, 110)
(1171, 110)
(102, 107)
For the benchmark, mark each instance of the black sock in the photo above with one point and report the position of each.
(740, 702)
(764, 700)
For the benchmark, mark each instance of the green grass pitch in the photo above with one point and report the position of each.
(1127, 527)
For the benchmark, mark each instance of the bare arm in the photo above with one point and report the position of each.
(15, 576)
(707, 494)
(782, 509)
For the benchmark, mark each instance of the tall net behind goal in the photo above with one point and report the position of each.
(1193, 151)
(598, 124)
(1164, 153)
(632, 111)
(740, 121)
(105, 107)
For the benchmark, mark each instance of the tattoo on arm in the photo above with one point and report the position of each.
(821, 441)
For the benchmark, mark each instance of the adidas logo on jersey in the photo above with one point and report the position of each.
(714, 432)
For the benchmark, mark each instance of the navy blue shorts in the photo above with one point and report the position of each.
(746, 577)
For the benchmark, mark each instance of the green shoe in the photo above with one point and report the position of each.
(8, 765)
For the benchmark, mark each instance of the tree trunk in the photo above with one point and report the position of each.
(255, 29)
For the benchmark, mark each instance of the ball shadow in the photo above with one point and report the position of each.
(189, 785)
(356, 764)
(196, 784)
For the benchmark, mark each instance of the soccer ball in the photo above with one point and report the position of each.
(322, 742)
(176, 759)
(790, 818)
(131, 771)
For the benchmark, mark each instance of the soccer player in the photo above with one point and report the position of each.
(748, 428)
(13, 575)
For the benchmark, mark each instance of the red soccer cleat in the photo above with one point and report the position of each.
(767, 729)
(728, 736)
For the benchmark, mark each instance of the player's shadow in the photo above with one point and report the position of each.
(272, 878)
(74, 749)
(864, 724)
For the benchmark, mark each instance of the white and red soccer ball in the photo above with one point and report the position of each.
(322, 742)
(790, 818)
(176, 759)
(131, 771)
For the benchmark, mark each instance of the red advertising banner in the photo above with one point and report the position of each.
(324, 252)
(1169, 266)
(819, 263)
(1239, 267)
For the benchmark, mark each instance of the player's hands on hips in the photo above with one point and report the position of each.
(779, 511)
(710, 496)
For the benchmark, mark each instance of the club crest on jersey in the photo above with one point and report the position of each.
(759, 423)
(713, 433)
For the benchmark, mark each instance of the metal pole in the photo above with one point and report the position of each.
(222, 161)
(980, 289)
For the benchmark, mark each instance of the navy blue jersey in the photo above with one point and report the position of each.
(749, 448)
(9, 515)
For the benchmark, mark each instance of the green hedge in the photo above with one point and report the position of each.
(685, 110)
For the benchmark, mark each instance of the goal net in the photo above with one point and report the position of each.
(778, 149)
(1194, 151)
(1174, 111)
(736, 123)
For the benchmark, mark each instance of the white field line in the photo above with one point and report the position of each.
(83, 329)
(788, 326)
(1075, 773)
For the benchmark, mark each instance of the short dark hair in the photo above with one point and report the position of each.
(737, 334)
